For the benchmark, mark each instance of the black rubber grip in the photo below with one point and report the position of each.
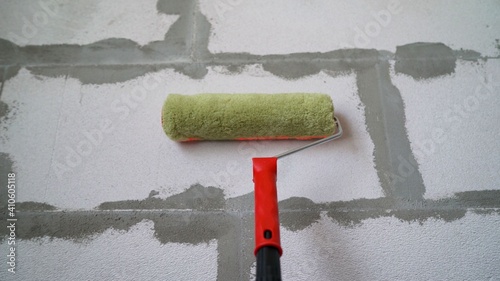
(268, 264)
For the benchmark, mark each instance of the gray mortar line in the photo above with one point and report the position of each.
(216, 60)
(220, 58)
(208, 62)
(385, 119)
(229, 257)
(233, 229)
(194, 29)
(206, 58)
(203, 200)
(131, 64)
(244, 213)
(175, 227)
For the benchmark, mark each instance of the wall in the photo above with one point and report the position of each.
(410, 192)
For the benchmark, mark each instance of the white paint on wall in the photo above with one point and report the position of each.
(452, 124)
(105, 142)
(46, 22)
(389, 249)
(114, 255)
(281, 27)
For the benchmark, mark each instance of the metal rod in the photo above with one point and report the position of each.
(337, 135)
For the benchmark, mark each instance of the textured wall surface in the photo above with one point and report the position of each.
(410, 192)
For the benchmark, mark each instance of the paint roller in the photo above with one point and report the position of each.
(300, 116)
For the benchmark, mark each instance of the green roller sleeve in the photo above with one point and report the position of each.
(248, 116)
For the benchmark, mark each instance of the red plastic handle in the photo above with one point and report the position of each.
(267, 224)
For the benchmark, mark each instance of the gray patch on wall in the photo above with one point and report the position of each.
(34, 206)
(196, 197)
(425, 60)
(100, 75)
(8, 53)
(307, 213)
(5, 74)
(8, 72)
